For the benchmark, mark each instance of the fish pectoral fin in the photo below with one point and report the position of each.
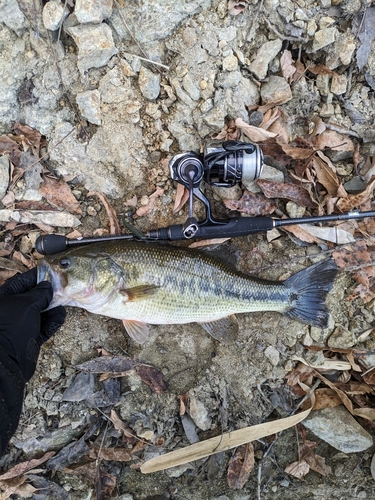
(224, 330)
(137, 330)
(141, 292)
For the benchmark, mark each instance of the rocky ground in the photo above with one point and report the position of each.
(109, 92)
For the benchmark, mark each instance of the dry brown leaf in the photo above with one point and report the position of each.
(255, 134)
(240, 466)
(120, 426)
(182, 196)
(222, 442)
(292, 192)
(300, 70)
(332, 140)
(333, 234)
(353, 255)
(7, 144)
(324, 398)
(115, 454)
(298, 469)
(236, 7)
(205, 243)
(270, 117)
(23, 467)
(146, 209)
(355, 200)
(113, 221)
(30, 137)
(26, 262)
(287, 65)
(319, 126)
(327, 176)
(301, 234)
(297, 153)
(321, 69)
(316, 462)
(152, 377)
(16, 486)
(59, 194)
(104, 484)
(8, 200)
(252, 204)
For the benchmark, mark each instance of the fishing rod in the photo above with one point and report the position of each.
(222, 164)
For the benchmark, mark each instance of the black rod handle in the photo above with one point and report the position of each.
(49, 244)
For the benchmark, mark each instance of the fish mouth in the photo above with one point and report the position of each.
(41, 271)
(46, 273)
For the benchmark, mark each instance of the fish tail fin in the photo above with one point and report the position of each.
(309, 291)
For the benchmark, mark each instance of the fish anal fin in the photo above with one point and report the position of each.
(225, 330)
(137, 330)
(141, 292)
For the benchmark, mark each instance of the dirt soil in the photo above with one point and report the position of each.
(110, 122)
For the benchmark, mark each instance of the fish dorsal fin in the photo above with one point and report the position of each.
(137, 330)
(224, 330)
(141, 292)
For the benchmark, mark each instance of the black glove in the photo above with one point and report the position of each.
(23, 327)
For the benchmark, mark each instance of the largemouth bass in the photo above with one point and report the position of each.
(143, 283)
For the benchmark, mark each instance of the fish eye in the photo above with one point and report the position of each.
(64, 263)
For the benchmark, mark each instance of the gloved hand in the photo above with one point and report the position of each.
(23, 325)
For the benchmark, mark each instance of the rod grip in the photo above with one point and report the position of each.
(49, 244)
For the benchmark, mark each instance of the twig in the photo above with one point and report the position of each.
(337, 128)
(147, 60)
(283, 37)
(255, 17)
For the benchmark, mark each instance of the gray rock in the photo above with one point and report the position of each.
(229, 79)
(149, 83)
(266, 53)
(89, 106)
(355, 185)
(230, 63)
(190, 87)
(11, 15)
(95, 45)
(323, 38)
(53, 14)
(339, 84)
(32, 176)
(199, 413)
(4, 175)
(93, 11)
(155, 20)
(181, 94)
(273, 355)
(342, 338)
(215, 118)
(339, 429)
(239, 98)
(69, 157)
(277, 89)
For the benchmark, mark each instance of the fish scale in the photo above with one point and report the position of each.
(144, 283)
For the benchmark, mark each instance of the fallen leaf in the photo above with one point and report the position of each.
(292, 192)
(321, 69)
(121, 427)
(182, 196)
(32, 138)
(145, 210)
(298, 153)
(240, 466)
(7, 144)
(152, 377)
(355, 200)
(236, 7)
(104, 484)
(332, 140)
(115, 454)
(59, 194)
(255, 134)
(287, 65)
(324, 398)
(107, 364)
(23, 467)
(298, 469)
(16, 486)
(252, 204)
(205, 243)
(319, 126)
(316, 462)
(113, 221)
(332, 234)
(326, 174)
(353, 255)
